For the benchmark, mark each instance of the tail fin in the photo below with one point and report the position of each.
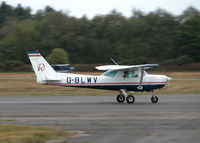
(43, 71)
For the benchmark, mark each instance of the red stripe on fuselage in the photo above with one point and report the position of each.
(128, 83)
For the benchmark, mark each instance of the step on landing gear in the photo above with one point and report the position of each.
(123, 95)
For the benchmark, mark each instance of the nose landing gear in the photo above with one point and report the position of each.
(154, 99)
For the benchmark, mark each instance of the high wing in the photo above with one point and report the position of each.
(122, 67)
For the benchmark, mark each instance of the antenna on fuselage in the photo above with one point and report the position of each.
(114, 61)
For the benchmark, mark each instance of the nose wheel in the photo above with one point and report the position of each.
(154, 99)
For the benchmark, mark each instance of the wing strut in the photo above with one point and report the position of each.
(140, 87)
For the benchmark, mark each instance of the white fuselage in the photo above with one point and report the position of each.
(149, 82)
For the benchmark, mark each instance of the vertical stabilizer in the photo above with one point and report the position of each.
(41, 67)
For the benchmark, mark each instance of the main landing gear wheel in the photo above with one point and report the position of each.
(120, 98)
(154, 99)
(130, 99)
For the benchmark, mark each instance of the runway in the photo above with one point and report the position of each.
(101, 120)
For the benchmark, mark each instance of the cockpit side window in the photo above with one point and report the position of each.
(130, 74)
(110, 73)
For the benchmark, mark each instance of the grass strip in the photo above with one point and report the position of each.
(30, 134)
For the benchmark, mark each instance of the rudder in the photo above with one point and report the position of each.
(41, 67)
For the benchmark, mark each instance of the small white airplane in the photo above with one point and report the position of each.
(117, 77)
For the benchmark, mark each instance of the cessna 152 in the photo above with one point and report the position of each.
(117, 77)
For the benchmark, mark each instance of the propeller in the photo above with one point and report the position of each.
(168, 80)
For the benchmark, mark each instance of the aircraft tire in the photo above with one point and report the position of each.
(130, 99)
(120, 98)
(154, 99)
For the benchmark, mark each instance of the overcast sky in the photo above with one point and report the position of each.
(90, 8)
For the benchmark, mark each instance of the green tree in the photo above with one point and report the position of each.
(5, 12)
(22, 13)
(188, 33)
(58, 56)
(40, 14)
(160, 34)
(20, 37)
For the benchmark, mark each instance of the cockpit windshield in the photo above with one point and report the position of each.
(110, 73)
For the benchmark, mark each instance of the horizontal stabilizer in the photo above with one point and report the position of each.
(52, 78)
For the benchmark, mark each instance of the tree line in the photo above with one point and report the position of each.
(154, 37)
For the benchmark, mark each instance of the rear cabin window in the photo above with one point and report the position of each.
(131, 74)
(110, 73)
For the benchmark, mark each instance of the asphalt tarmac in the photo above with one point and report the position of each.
(100, 119)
